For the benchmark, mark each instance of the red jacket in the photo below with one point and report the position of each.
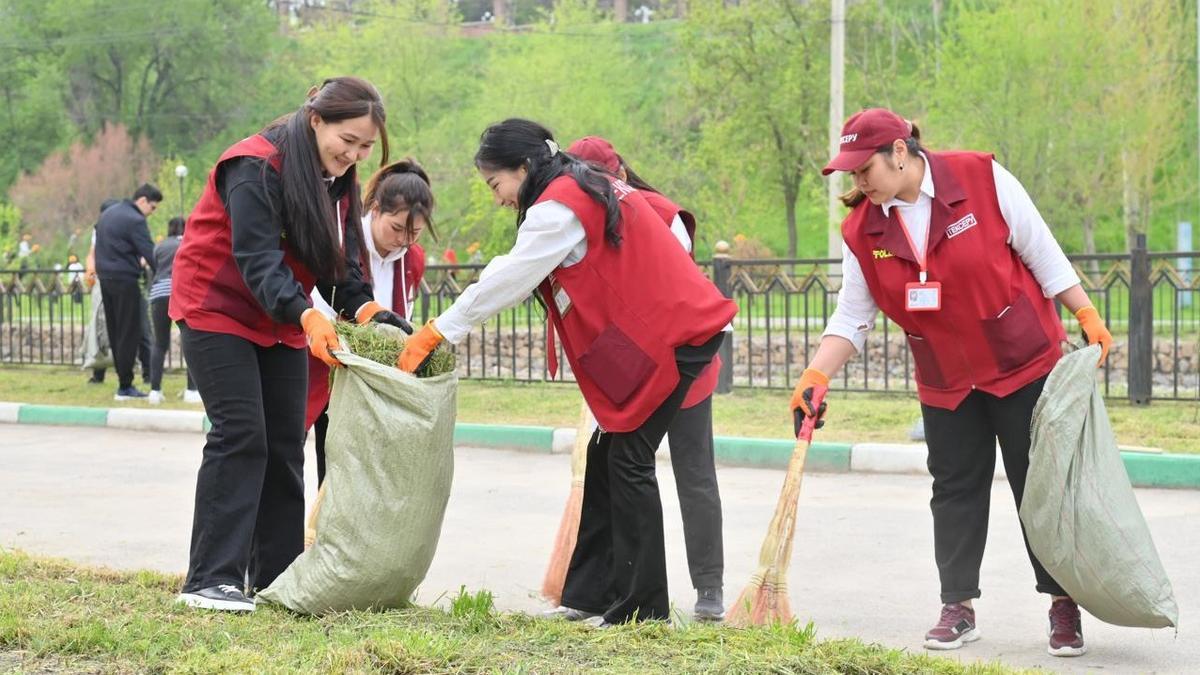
(622, 310)
(215, 297)
(706, 383)
(996, 331)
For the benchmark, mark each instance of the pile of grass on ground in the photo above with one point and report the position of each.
(61, 617)
(383, 344)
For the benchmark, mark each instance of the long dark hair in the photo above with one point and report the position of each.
(309, 220)
(516, 143)
(853, 197)
(402, 185)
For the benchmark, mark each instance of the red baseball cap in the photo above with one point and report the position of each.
(862, 136)
(598, 151)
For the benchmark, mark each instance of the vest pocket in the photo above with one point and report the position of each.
(929, 373)
(616, 364)
(1015, 335)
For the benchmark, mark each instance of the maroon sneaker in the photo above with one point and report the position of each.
(955, 628)
(1066, 630)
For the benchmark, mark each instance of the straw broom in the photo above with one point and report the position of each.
(568, 527)
(310, 527)
(765, 598)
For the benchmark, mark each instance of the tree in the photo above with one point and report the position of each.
(66, 191)
(758, 81)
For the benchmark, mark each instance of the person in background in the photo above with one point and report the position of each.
(399, 207)
(690, 436)
(123, 249)
(160, 298)
(952, 249)
(143, 350)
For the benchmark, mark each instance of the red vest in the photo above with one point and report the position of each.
(996, 331)
(628, 307)
(215, 297)
(318, 372)
(666, 209)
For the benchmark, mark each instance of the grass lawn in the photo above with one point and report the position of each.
(58, 617)
(1172, 426)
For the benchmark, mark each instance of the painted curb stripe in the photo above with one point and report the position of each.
(61, 414)
(774, 453)
(1162, 471)
(538, 439)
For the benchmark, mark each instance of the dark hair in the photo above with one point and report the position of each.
(516, 143)
(309, 222)
(175, 227)
(853, 197)
(402, 185)
(632, 179)
(151, 193)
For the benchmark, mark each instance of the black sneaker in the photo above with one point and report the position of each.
(710, 605)
(225, 598)
(129, 394)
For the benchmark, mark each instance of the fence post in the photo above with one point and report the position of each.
(1141, 325)
(723, 278)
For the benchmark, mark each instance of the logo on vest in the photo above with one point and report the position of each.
(849, 138)
(881, 253)
(961, 225)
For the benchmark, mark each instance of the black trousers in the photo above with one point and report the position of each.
(321, 430)
(248, 524)
(962, 460)
(692, 461)
(122, 302)
(619, 566)
(143, 349)
(162, 342)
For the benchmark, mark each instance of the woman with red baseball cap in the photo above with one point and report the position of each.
(690, 435)
(951, 248)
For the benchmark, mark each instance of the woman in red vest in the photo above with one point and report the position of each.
(638, 322)
(951, 248)
(399, 205)
(280, 214)
(690, 435)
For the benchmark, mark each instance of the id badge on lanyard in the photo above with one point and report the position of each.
(561, 300)
(921, 295)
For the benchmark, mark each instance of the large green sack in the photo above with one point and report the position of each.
(1079, 510)
(389, 460)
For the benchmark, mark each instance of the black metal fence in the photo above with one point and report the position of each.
(1150, 301)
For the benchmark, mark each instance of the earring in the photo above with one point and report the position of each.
(901, 167)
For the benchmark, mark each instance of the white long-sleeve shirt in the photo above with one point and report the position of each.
(551, 236)
(1028, 235)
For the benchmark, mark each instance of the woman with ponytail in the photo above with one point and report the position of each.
(398, 204)
(278, 217)
(638, 323)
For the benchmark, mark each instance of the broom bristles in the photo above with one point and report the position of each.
(564, 546)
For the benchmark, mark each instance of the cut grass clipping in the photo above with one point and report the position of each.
(383, 344)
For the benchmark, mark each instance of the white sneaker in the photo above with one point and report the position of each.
(155, 398)
(191, 396)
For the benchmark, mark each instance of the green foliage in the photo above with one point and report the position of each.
(10, 230)
(383, 344)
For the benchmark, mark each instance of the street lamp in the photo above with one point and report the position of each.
(181, 172)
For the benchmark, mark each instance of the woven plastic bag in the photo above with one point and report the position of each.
(389, 459)
(1079, 510)
(96, 353)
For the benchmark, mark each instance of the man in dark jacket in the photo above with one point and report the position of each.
(123, 248)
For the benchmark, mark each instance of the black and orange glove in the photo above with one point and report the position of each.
(1094, 330)
(802, 399)
(322, 338)
(418, 348)
(374, 312)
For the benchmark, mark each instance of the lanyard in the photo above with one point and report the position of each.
(923, 255)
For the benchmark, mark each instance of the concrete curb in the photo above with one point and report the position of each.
(1164, 470)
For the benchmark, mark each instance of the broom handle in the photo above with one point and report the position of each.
(582, 436)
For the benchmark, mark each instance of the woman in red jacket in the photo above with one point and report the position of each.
(638, 322)
(690, 435)
(280, 214)
(399, 208)
(951, 248)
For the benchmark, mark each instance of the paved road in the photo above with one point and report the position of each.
(862, 565)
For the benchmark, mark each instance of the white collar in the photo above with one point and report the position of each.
(926, 190)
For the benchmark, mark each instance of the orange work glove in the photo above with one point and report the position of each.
(373, 311)
(803, 395)
(322, 338)
(1095, 330)
(418, 348)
